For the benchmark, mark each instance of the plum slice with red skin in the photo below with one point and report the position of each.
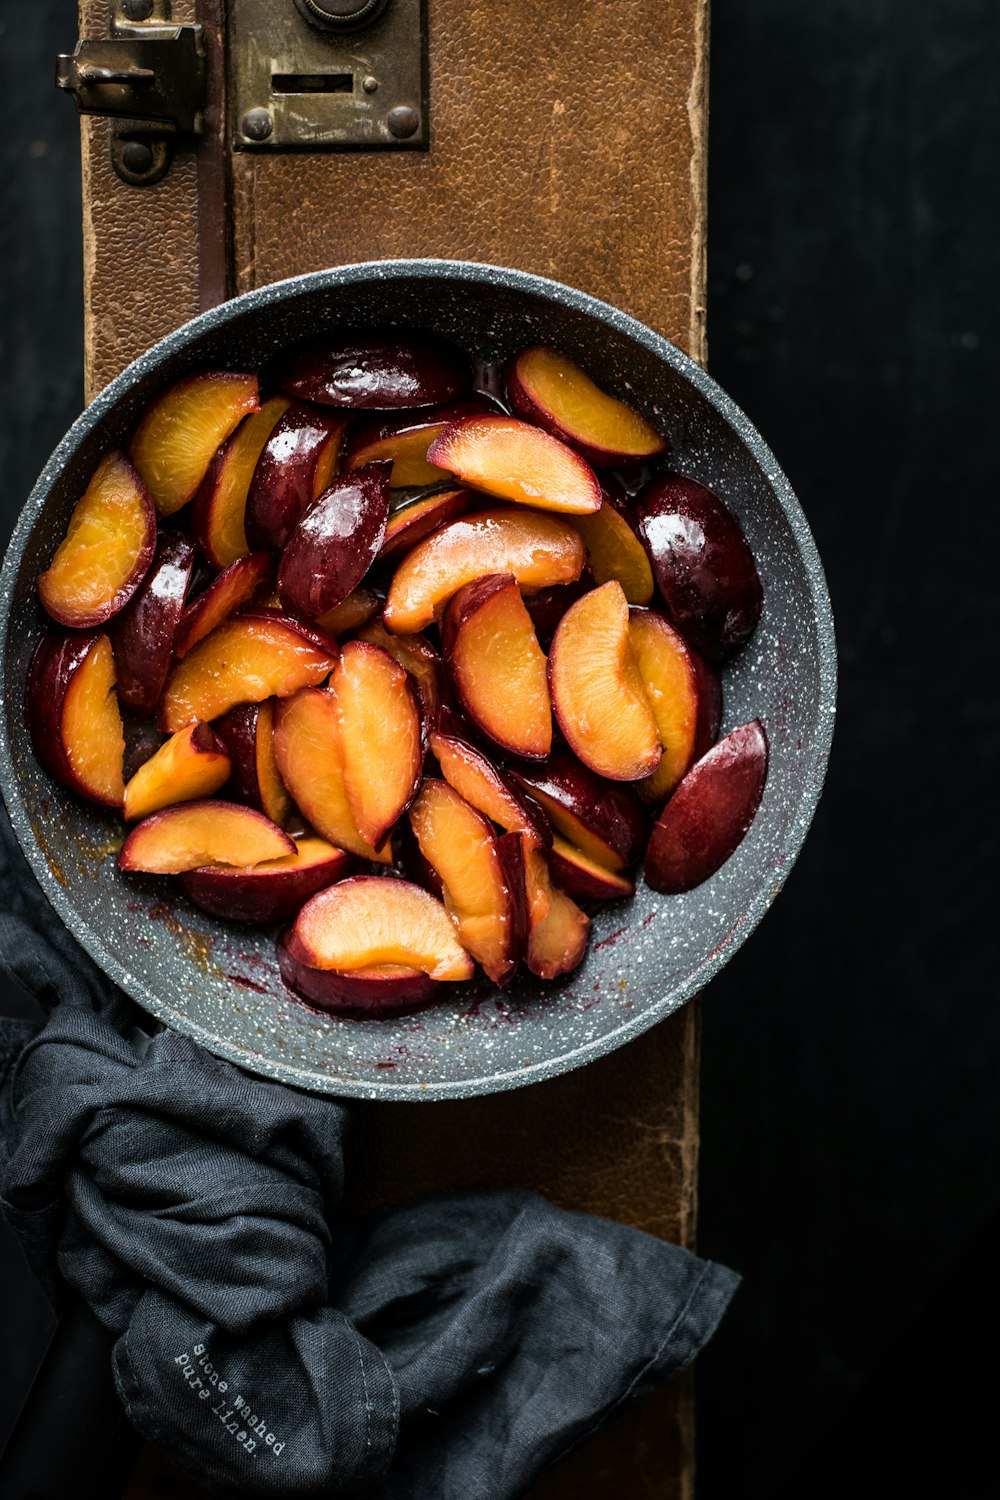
(371, 920)
(379, 371)
(404, 437)
(604, 819)
(539, 550)
(295, 465)
(703, 566)
(208, 832)
(613, 548)
(106, 551)
(190, 766)
(247, 733)
(558, 931)
(232, 589)
(583, 878)
(248, 658)
(380, 736)
(358, 994)
(218, 513)
(335, 543)
(274, 890)
(597, 693)
(143, 633)
(411, 523)
(515, 461)
(482, 879)
(710, 812)
(484, 786)
(181, 430)
(416, 655)
(497, 666)
(672, 685)
(73, 715)
(549, 389)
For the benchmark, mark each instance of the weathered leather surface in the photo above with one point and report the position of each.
(567, 139)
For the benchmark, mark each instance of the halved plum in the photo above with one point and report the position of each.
(361, 994)
(249, 657)
(597, 693)
(403, 439)
(73, 715)
(371, 920)
(666, 666)
(547, 388)
(584, 878)
(704, 568)
(539, 550)
(296, 464)
(191, 765)
(605, 819)
(202, 833)
(614, 550)
(233, 588)
(483, 891)
(106, 552)
(179, 432)
(497, 666)
(381, 371)
(380, 737)
(513, 460)
(710, 813)
(310, 756)
(247, 733)
(274, 890)
(484, 786)
(335, 542)
(558, 930)
(411, 523)
(219, 509)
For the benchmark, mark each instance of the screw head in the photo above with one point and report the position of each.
(137, 157)
(369, 84)
(257, 124)
(137, 10)
(402, 121)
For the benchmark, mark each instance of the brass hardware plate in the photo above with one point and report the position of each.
(153, 74)
(300, 88)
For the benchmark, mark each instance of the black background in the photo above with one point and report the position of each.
(851, 1077)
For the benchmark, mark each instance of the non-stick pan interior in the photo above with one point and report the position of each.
(219, 983)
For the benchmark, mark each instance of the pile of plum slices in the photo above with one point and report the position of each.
(390, 664)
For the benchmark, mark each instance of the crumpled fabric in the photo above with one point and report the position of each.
(267, 1341)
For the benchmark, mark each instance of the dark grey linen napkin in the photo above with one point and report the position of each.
(271, 1344)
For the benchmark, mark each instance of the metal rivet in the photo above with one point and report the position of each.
(137, 157)
(137, 10)
(402, 121)
(369, 84)
(257, 124)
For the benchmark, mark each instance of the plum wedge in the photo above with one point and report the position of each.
(584, 878)
(202, 833)
(191, 765)
(710, 812)
(143, 634)
(371, 920)
(73, 715)
(296, 464)
(539, 550)
(180, 431)
(380, 736)
(549, 389)
(604, 819)
(107, 549)
(335, 543)
(234, 587)
(597, 693)
(513, 460)
(352, 613)
(247, 734)
(403, 439)
(371, 993)
(614, 550)
(274, 890)
(310, 756)
(411, 523)
(485, 787)
(416, 655)
(482, 876)
(672, 684)
(359, 371)
(558, 930)
(497, 666)
(703, 566)
(219, 510)
(250, 657)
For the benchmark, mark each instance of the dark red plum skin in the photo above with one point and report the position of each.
(582, 884)
(510, 852)
(709, 703)
(709, 813)
(702, 564)
(237, 730)
(336, 542)
(56, 659)
(241, 582)
(281, 489)
(548, 606)
(376, 372)
(611, 810)
(142, 636)
(263, 898)
(355, 995)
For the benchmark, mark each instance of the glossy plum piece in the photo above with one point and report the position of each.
(295, 465)
(191, 834)
(515, 461)
(703, 566)
(181, 430)
(583, 878)
(73, 717)
(378, 919)
(375, 371)
(218, 513)
(404, 437)
(247, 735)
(143, 634)
(373, 993)
(418, 657)
(335, 542)
(273, 891)
(710, 812)
(190, 766)
(380, 736)
(552, 391)
(411, 523)
(558, 930)
(233, 588)
(605, 819)
(614, 551)
(483, 785)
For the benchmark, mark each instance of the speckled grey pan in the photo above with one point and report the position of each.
(648, 956)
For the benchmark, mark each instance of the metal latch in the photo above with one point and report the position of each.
(152, 80)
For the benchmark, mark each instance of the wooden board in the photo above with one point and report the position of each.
(567, 140)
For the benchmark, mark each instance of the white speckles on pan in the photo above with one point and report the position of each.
(218, 983)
